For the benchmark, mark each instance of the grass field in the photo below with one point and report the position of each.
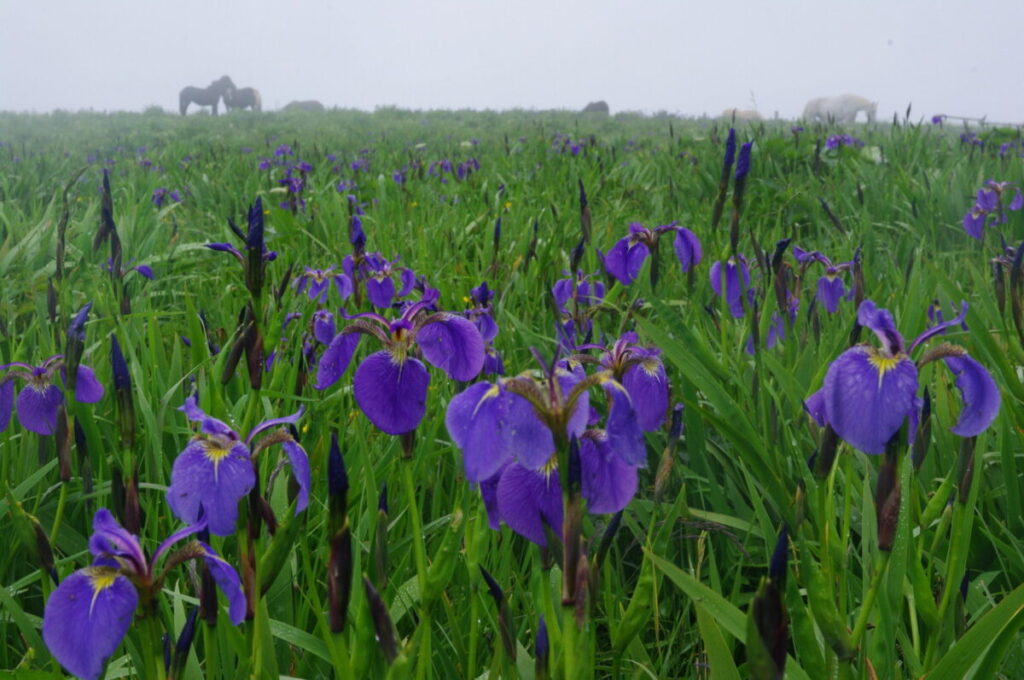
(759, 541)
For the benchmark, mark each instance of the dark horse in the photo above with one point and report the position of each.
(600, 107)
(209, 96)
(304, 105)
(243, 98)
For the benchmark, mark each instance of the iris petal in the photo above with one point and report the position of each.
(37, 408)
(609, 483)
(687, 247)
(647, 385)
(335, 359)
(868, 396)
(625, 438)
(300, 468)
(207, 424)
(830, 291)
(474, 420)
(527, 499)
(86, 618)
(88, 389)
(205, 479)
(227, 580)
(392, 393)
(454, 345)
(489, 492)
(6, 403)
(380, 293)
(980, 394)
(109, 538)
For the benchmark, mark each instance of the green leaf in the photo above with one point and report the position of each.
(983, 635)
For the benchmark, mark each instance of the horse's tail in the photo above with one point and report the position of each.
(183, 101)
(257, 101)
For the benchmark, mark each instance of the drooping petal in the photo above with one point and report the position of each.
(110, 539)
(335, 359)
(527, 499)
(88, 389)
(343, 284)
(487, 326)
(562, 292)
(979, 392)
(226, 578)
(323, 327)
(208, 479)
(830, 291)
(624, 260)
(37, 407)
(568, 377)
(609, 483)
(86, 618)
(380, 292)
(300, 469)
(491, 426)
(408, 278)
(868, 396)
(974, 223)
(392, 393)
(687, 247)
(6, 402)
(489, 493)
(625, 438)
(647, 385)
(815, 407)
(454, 345)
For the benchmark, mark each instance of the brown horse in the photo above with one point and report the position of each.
(599, 107)
(209, 96)
(243, 98)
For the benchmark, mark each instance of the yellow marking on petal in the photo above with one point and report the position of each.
(101, 579)
(650, 366)
(215, 454)
(549, 468)
(883, 364)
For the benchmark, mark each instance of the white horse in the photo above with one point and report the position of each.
(841, 109)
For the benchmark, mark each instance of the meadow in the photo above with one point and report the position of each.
(676, 435)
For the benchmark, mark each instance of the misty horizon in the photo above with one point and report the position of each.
(679, 58)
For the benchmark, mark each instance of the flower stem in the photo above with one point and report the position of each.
(420, 555)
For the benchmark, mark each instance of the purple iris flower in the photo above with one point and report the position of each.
(737, 283)
(216, 469)
(830, 288)
(378, 273)
(391, 385)
(319, 283)
(160, 195)
(937, 119)
(836, 141)
(90, 612)
(323, 326)
(509, 432)
(627, 256)
(870, 391)
(988, 207)
(482, 317)
(578, 290)
(39, 400)
(642, 373)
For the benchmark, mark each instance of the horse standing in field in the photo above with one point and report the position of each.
(208, 96)
(243, 98)
(599, 107)
(841, 109)
(304, 105)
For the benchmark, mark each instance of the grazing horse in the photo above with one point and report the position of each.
(304, 105)
(742, 114)
(600, 106)
(243, 98)
(841, 109)
(208, 96)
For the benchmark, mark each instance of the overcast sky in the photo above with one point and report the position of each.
(956, 57)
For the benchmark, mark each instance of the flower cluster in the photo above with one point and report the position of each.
(836, 141)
